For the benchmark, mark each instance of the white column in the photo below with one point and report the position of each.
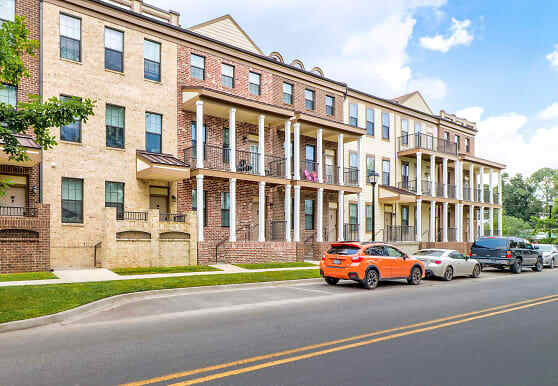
(445, 177)
(491, 219)
(490, 187)
(457, 218)
(361, 162)
(319, 151)
(232, 139)
(296, 213)
(320, 216)
(199, 135)
(418, 215)
(340, 215)
(432, 221)
(419, 174)
(481, 178)
(458, 180)
(287, 147)
(261, 212)
(296, 145)
(500, 221)
(471, 223)
(481, 232)
(361, 214)
(433, 174)
(288, 212)
(261, 144)
(232, 219)
(499, 187)
(472, 182)
(445, 223)
(199, 204)
(340, 158)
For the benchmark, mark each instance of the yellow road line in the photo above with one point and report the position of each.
(320, 345)
(353, 345)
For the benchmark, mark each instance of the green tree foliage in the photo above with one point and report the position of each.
(520, 198)
(545, 181)
(513, 226)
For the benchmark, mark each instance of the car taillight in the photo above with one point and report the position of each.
(357, 259)
(508, 255)
(323, 257)
(438, 262)
(470, 254)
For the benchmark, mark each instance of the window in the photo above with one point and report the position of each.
(405, 215)
(70, 38)
(418, 128)
(353, 114)
(227, 75)
(153, 132)
(375, 251)
(370, 121)
(72, 200)
(152, 60)
(392, 252)
(310, 164)
(115, 126)
(195, 204)
(343, 250)
(369, 218)
(467, 145)
(7, 11)
(8, 94)
(114, 46)
(197, 67)
(254, 81)
(446, 135)
(370, 166)
(309, 99)
(385, 125)
(226, 145)
(404, 131)
(308, 214)
(353, 160)
(457, 142)
(329, 105)
(194, 137)
(225, 209)
(114, 197)
(288, 93)
(353, 214)
(385, 172)
(72, 131)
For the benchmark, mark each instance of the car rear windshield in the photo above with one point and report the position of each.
(427, 252)
(343, 250)
(492, 243)
(544, 247)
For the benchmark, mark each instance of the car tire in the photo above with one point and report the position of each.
(371, 279)
(448, 274)
(476, 271)
(331, 280)
(552, 263)
(516, 267)
(415, 277)
(539, 266)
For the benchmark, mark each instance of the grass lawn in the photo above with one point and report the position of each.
(148, 270)
(276, 265)
(23, 302)
(27, 276)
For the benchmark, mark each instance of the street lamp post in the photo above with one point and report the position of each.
(372, 181)
(550, 217)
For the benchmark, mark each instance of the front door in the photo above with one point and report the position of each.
(159, 202)
(329, 169)
(332, 224)
(387, 224)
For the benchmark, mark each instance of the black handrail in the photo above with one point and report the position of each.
(406, 184)
(172, 217)
(351, 176)
(426, 142)
(132, 216)
(399, 233)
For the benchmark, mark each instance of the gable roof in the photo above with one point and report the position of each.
(225, 29)
(414, 100)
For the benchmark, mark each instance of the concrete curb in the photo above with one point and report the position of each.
(118, 300)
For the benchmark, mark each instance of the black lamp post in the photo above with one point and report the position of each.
(550, 217)
(372, 181)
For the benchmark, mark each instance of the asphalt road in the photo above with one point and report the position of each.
(500, 329)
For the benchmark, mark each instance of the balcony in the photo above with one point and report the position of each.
(408, 185)
(426, 188)
(486, 195)
(466, 193)
(131, 216)
(439, 190)
(426, 142)
(18, 211)
(452, 191)
(395, 233)
(477, 195)
(351, 232)
(331, 174)
(309, 170)
(172, 217)
(351, 176)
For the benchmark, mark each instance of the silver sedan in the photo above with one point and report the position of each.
(549, 253)
(447, 263)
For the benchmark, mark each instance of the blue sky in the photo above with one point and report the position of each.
(490, 61)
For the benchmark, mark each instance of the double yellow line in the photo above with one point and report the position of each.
(388, 334)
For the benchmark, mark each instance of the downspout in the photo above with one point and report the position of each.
(41, 168)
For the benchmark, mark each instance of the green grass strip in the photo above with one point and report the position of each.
(150, 270)
(23, 302)
(27, 276)
(276, 265)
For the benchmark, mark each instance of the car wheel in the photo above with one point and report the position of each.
(476, 271)
(331, 280)
(371, 279)
(448, 275)
(551, 266)
(538, 267)
(416, 276)
(516, 267)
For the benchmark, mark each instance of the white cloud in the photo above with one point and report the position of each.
(553, 57)
(460, 35)
(430, 88)
(472, 114)
(550, 113)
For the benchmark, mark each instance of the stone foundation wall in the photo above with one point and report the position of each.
(246, 252)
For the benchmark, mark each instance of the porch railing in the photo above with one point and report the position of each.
(247, 162)
(18, 211)
(409, 185)
(399, 233)
(351, 176)
(351, 232)
(309, 170)
(477, 195)
(427, 188)
(486, 196)
(331, 174)
(466, 193)
(172, 217)
(131, 216)
(452, 191)
(426, 142)
(439, 190)
(495, 196)
(276, 230)
(274, 166)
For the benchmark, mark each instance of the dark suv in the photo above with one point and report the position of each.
(507, 252)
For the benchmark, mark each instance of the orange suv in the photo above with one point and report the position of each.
(368, 263)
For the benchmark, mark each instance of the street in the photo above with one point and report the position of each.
(499, 329)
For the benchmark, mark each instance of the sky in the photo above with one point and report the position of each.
(493, 62)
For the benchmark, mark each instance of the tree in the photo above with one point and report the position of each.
(545, 182)
(33, 115)
(520, 200)
(513, 226)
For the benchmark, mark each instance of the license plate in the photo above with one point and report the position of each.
(336, 261)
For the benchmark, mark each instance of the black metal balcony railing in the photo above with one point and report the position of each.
(274, 166)
(247, 162)
(421, 141)
(477, 195)
(351, 232)
(496, 196)
(18, 211)
(439, 190)
(351, 176)
(331, 174)
(466, 192)
(486, 195)
(276, 230)
(410, 185)
(426, 188)
(452, 191)
(131, 216)
(172, 217)
(309, 170)
(452, 233)
(399, 233)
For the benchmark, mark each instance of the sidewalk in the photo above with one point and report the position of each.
(103, 274)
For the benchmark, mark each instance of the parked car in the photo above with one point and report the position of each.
(368, 264)
(507, 252)
(549, 254)
(447, 263)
